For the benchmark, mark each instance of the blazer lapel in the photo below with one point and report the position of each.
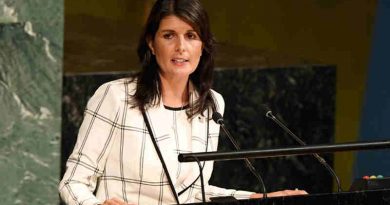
(156, 117)
(198, 124)
(199, 133)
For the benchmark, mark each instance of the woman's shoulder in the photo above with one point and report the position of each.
(122, 83)
(216, 95)
(115, 91)
(218, 100)
(120, 86)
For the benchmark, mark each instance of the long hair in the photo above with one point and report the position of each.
(148, 90)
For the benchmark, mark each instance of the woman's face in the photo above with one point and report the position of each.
(177, 47)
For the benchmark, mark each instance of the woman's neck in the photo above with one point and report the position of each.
(174, 92)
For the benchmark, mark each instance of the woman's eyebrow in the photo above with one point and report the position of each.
(171, 30)
(167, 30)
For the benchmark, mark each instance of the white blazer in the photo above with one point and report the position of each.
(114, 155)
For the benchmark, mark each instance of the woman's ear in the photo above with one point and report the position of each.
(150, 44)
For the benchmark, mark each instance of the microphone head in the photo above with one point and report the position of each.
(217, 117)
(266, 110)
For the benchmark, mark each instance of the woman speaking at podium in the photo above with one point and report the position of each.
(134, 128)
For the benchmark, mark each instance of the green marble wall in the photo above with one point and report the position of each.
(31, 49)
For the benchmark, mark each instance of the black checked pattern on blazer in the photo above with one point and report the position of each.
(114, 156)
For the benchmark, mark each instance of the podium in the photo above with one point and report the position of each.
(364, 197)
(369, 197)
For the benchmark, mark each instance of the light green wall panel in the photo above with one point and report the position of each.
(31, 49)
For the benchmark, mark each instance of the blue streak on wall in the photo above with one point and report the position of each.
(375, 123)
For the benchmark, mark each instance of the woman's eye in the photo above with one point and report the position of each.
(168, 36)
(191, 36)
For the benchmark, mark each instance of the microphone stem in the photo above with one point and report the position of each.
(296, 138)
(247, 162)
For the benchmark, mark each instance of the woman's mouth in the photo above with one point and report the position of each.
(179, 61)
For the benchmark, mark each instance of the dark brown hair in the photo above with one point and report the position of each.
(148, 91)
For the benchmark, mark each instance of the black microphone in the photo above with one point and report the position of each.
(268, 114)
(217, 117)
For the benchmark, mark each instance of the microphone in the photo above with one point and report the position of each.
(268, 114)
(217, 117)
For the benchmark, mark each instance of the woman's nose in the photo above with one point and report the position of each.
(180, 44)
